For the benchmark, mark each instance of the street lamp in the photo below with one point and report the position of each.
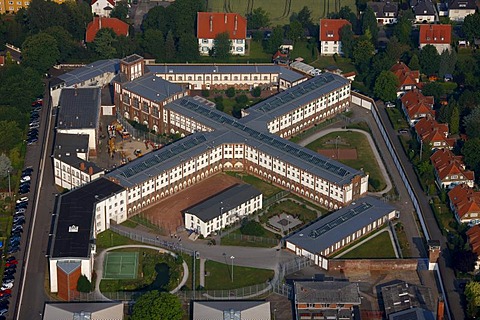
(9, 186)
(288, 225)
(336, 144)
(231, 258)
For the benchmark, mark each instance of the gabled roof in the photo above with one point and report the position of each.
(112, 2)
(424, 8)
(462, 5)
(430, 131)
(435, 34)
(118, 26)
(210, 24)
(473, 235)
(382, 7)
(404, 75)
(330, 29)
(231, 309)
(82, 310)
(446, 163)
(465, 200)
(327, 292)
(414, 97)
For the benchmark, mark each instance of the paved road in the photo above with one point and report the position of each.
(444, 263)
(29, 295)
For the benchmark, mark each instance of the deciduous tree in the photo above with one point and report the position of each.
(471, 123)
(257, 19)
(188, 49)
(103, 45)
(471, 26)
(346, 34)
(120, 11)
(471, 154)
(363, 52)
(295, 30)
(156, 305)
(429, 60)
(369, 22)
(40, 52)
(5, 165)
(472, 294)
(10, 135)
(170, 51)
(221, 46)
(386, 86)
(414, 63)
(454, 123)
(153, 43)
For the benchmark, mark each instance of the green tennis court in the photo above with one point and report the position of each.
(120, 265)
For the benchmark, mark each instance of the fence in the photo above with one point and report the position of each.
(140, 134)
(315, 128)
(246, 238)
(277, 196)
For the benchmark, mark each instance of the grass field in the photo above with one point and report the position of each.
(280, 10)
(267, 189)
(365, 160)
(291, 208)
(378, 247)
(234, 239)
(219, 276)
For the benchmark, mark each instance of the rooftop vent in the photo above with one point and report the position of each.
(73, 228)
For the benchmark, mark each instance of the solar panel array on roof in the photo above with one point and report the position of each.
(158, 158)
(315, 233)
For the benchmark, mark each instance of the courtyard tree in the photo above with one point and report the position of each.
(256, 92)
(386, 86)
(103, 44)
(187, 49)
(120, 11)
(221, 46)
(83, 284)
(157, 305)
(153, 43)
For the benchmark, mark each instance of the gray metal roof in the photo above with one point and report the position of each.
(69, 266)
(223, 202)
(79, 108)
(83, 311)
(326, 292)
(152, 87)
(424, 7)
(462, 5)
(383, 7)
(326, 231)
(68, 145)
(286, 74)
(90, 71)
(231, 310)
(294, 97)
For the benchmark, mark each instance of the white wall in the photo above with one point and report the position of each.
(237, 46)
(328, 48)
(111, 208)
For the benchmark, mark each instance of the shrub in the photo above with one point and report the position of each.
(220, 106)
(242, 99)
(230, 92)
(205, 93)
(252, 228)
(256, 92)
(83, 284)
(375, 183)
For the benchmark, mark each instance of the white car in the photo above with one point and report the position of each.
(22, 199)
(25, 179)
(389, 105)
(6, 286)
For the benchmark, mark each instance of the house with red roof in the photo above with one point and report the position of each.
(407, 79)
(118, 26)
(465, 204)
(433, 134)
(473, 236)
(329, 36)
(450, 169)
(211, 24)
(102, 8)
(417, 106)
(438, 35)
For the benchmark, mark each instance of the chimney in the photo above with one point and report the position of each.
(90, 170)
(82, 166)
(211, 23)
(235, 28)
(225, 18)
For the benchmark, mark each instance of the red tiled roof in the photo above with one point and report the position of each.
(413, 97)
(435, 34)
(210, 24)
(2, 60)
(430, 131)
(112, 2)
(473, 235)
(118, 26)
(446, 163)
(404, 75)
(465, 200)
(330, 29)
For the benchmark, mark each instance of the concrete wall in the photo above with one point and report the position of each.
(373, 264)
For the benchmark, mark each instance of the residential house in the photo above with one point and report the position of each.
(231, 309)
(102, 8)
(281, 58)
(450, 169)
(83, 310)
(465, 204)
(424, 11)
(329, 33)
(386, 11)
(223, 209)
(407, 79)
(459, 9)
(416, 106)
(433, 135)
(438, 35)
(211, 24)
(325, 299)
(118, 26)
(12, 7)
(473, 236)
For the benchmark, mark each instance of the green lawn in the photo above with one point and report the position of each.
(402, 239)
(234, 239)
(267, 189)
(397, 118)
(255, 55)
(364, 152)
(444, 216)
(378, 247)
(343, 63)
(280, 10)
(305, 50)
(219, 275)
(291, 208)
(108, 238)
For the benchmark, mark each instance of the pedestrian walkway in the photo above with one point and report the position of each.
(202, 272)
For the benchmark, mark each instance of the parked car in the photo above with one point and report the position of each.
(17, 227)
(12, 262)
(6, 286)
(24, 190)
(3, 311)
(22, 205)
(31, 141)
(28, 170)
(10, 258)
(22, 199)
(25, 179)
(4, 292)
(36, 125)
(13, 249)
(20, 211)
(388, 104)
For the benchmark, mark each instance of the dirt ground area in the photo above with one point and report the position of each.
(167, 214)
(344, 154)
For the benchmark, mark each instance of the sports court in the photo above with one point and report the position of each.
(120, 265)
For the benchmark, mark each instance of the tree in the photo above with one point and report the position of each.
(402, 30)
(429, 60)
(472, 295)
(346, 13)
(125, 46)
(346, 34)
(158, 18)
(5, 165)
(471, 154)
(83, 284)
(464, 260)
(183, 14)
(256, 92)
(65, 42)
(471, 123)
(153, 43)
(363, 53)
(257, 19)
(120, 11)
(252, 228)
(471, 26)
(230, 92)
(434, 89)
(454, 123)
(369, 22)
(10, 135)
(157, 305)
(386, 86)
(188, 49)
(396, 49)
(304, 16)
(221, 46)
(103, 45)
(275, 40)
(295, 30)
(170, 51)
(38, 16)
(447, 63)
(40, 52)
(414, 63)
